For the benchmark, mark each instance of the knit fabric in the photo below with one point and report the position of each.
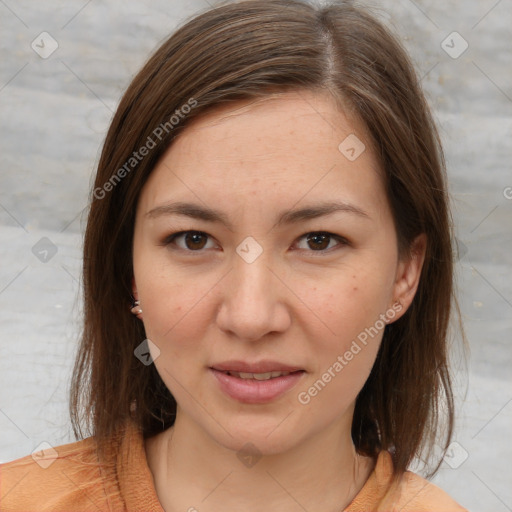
(69, 478)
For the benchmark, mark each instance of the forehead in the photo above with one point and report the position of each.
(273, 150)
(279, 124)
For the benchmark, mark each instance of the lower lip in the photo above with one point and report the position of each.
(252, 391)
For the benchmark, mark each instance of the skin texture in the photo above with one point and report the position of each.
(294, 304)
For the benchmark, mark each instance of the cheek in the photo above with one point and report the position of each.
(352, 309)
(351, 303)
(176, 311)
(169, 308)
(343, 360)
(176, 319)
(332, 392)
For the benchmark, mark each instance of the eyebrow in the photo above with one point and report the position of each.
(199, 212)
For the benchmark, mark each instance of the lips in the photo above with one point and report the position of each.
(258, 376)
(256, 383)
(258, 368)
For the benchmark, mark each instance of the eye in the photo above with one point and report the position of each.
(192, 241)
(321, 241)
(196, 241)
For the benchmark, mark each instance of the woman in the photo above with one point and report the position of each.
(271, 196)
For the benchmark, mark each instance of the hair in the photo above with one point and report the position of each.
(245, 51)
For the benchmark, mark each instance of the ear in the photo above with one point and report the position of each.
(137, 311)
(134, 289)
(408, 274)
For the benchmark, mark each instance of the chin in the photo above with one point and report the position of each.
(259, 444)
(265, 436)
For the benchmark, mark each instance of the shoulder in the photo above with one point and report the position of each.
(67, 477)
(417, 494)
(410, 493)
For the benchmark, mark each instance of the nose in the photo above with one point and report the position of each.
(253, 301)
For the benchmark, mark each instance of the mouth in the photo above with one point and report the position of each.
(258, 368)
(259, 376)
(255, 383)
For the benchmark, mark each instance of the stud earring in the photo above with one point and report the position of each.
(135, 308)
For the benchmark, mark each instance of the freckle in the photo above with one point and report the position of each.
(355, 288)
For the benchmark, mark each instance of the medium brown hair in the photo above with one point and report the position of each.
(244, 51)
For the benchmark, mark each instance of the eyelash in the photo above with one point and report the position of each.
(341, 240)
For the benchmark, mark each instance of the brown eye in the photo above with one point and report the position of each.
(318, 241)
(321, 241)
(195, 240)
(191, 241)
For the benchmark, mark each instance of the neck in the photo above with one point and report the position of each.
(192, 472)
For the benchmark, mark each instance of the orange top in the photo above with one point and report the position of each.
(69, 478)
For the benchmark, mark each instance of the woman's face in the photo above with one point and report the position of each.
(271, 276)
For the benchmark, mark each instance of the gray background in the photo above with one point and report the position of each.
(55, 112)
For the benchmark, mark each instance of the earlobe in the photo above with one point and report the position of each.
(409, 273)
(135, 305)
